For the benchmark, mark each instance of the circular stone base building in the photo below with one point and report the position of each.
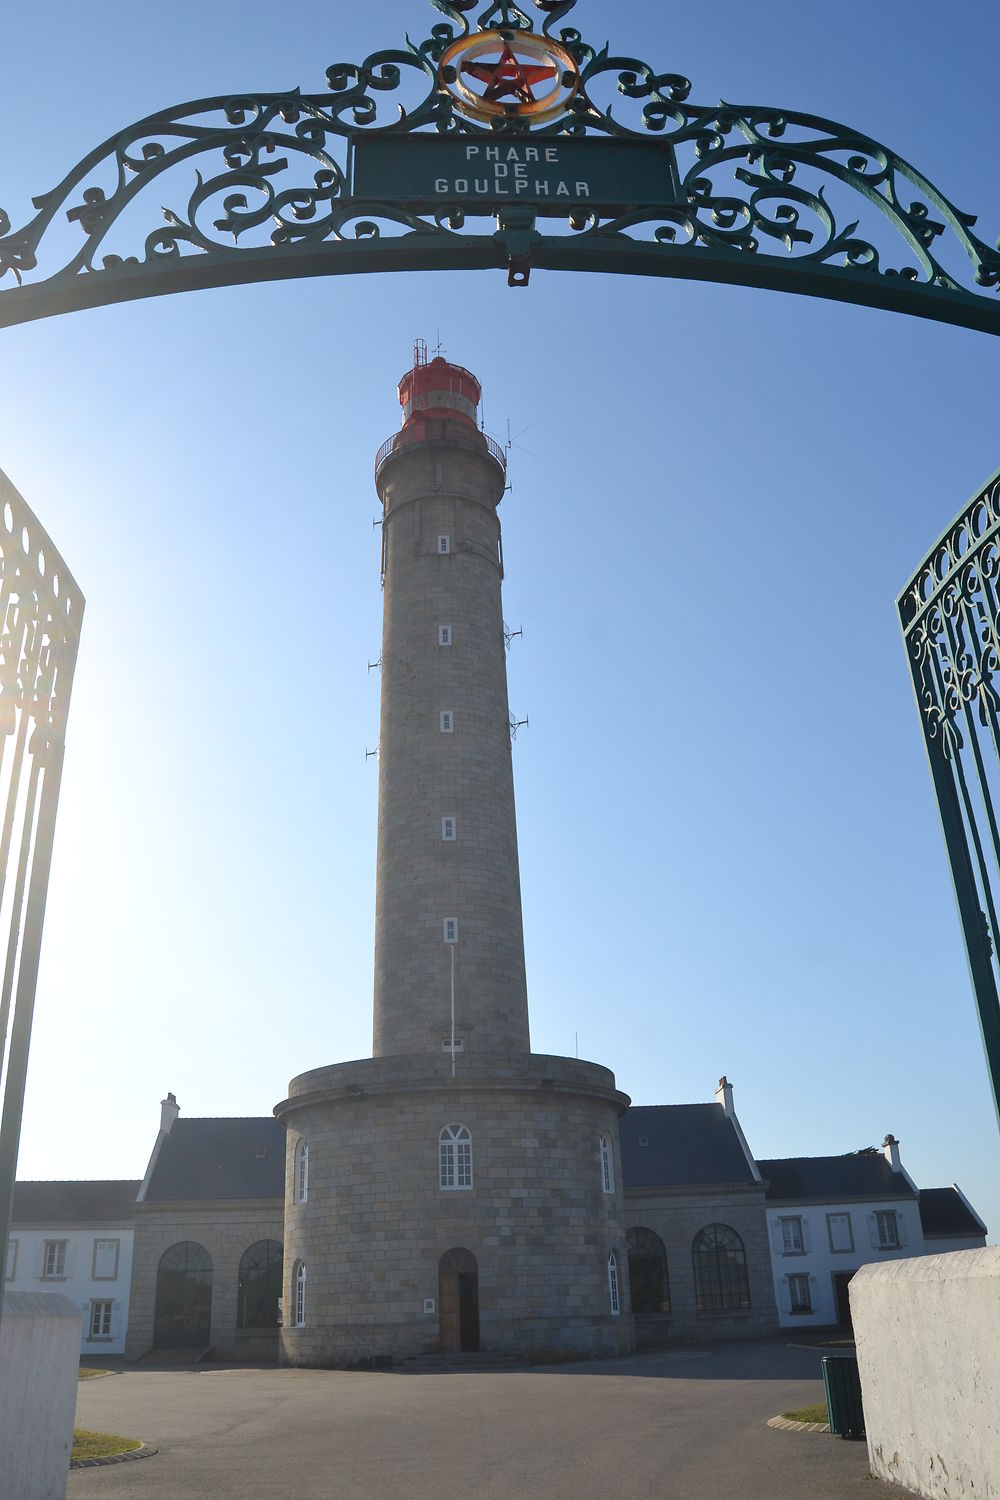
(443, 1215)
(454, 1192)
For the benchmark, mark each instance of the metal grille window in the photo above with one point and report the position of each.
(791, 1236)
(300, 1294)
(454, 1159)
(444, 545)
(302, 1172)
(100, 1320)
(447, 721)
(258, 1289)
(451, 929)
(647, 1272)
(798, 1292)
(720, 1270)
(54, 1263)
(444, 635)
(613, 1285)
(607, 1166)
(448, 830)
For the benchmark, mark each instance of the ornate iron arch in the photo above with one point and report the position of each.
(273, 186)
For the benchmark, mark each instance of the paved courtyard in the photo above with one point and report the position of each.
(688, 1424)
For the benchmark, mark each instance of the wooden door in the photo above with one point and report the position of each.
(458, 1301)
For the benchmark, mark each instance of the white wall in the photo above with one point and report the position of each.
(27, 1262)
(39, 1336)
(929, 1359)
(820, 1262)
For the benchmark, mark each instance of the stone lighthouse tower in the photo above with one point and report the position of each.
(455, 1191)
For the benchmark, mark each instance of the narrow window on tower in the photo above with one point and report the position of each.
(448, 830)
(444, 546)
(451, 929)
(613, 1285)
(444, 635)
(447, 721)
(607, 1166)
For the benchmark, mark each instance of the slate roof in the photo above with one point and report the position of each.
(217, 1159)
(689, 1144)
(943, 1212)
(73, 1202)
(833, 1178)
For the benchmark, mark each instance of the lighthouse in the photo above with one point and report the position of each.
(455, 1191)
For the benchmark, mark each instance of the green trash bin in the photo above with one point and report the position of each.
(843, 1395)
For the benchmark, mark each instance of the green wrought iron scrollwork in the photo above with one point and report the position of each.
(764, 197)
(950, 617)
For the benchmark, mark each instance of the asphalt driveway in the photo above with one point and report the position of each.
(688, 1424)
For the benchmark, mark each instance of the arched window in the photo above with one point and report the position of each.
(613, 1285)
(301, 1192)
(454, 1158)
(300, 1294)
(647, 1272)
(607, 1165)
(183, 1313)
(720, 1269)
(259, 1286)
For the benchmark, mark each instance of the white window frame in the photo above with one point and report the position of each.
(10, 1270)
(301, 1192)
(792, 1242)
(451, 929)
(840, 1249)
(886, 1219)
(54, 1260)
(300, 1294)
(444, 635)
(800, 1280)
(455, 1159)
(613, 1292)
(102, 1311)
(607, 1166)
(444, 546)
(96, 1275)
(447, 721)
(448, 829)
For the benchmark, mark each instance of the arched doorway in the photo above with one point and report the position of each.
(183, 1318)
(647, 1273)
(458, 1301)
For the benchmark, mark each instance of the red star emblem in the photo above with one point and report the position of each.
(508, 77)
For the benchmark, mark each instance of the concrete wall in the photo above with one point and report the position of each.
(677, 1216)
(929, 1358)
(39, 1361)
(26, 1273)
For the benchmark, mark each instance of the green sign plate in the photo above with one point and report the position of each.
(551, 173)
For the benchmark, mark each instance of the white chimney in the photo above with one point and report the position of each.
(890, 1150)
(169, 1110)
(724, 1096)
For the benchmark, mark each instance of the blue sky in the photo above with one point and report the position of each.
(730, 854)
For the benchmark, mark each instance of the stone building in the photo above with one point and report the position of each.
(208, 1238)
(455, 1190)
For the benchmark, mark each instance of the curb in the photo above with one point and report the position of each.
(785, 1424)
(143, 1451)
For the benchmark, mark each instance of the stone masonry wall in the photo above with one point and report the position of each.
(434, 489)
(676, 1217)
(226, 1230)
(376, 1222)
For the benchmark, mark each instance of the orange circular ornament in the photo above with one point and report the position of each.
(504, 74)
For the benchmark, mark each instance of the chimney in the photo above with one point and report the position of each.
(169, 1110)
(724, 1096)
(890, 1149)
